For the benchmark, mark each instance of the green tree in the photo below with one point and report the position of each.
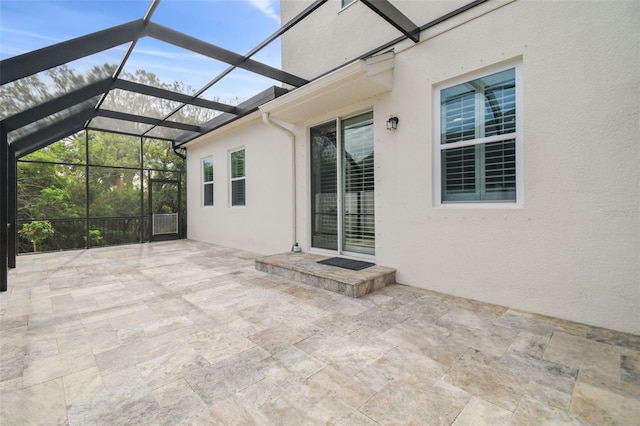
(53, 190)
(36, 231)
(36, 89)
(159, 155)
(111, 149)
(52, 182)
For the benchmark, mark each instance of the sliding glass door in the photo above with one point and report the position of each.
(324, 187)
(358, 219)
(342, 185)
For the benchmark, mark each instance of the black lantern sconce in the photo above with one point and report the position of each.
(392, 123)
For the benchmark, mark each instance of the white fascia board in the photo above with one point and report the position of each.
(359, 80)
(227, 127)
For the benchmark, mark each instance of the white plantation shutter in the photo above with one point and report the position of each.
(343, 185)
(477, 141)
(459, 170)
(500, 169)
(358, 185)
(459, 118)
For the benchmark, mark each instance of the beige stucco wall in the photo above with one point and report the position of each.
(332, 36)
(264, 224)
(570, 250)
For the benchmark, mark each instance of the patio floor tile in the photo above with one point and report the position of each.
(183, 332)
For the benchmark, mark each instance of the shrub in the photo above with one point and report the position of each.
(95, 237)
(36, 231)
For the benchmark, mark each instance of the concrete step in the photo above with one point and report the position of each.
(304, 268)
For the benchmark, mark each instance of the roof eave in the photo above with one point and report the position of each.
(223, 121)
(353, 83)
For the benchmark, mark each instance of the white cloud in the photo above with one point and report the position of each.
(30, 34)
(266, 7)
(186, 55)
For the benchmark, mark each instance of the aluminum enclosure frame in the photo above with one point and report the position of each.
(25, 65)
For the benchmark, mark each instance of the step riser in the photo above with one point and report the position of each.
(356, 290)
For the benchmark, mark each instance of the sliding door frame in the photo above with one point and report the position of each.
(340, 190)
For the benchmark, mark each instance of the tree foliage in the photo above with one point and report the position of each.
(106, 175)
(36, 231)
(50, 190)
(52, 182)
(38, 88)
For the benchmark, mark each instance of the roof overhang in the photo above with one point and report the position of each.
(227, 121)
(353, 83)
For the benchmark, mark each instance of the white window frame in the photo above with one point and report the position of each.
(232, 179)
(437, 146)
(205, 183)
(346, 3)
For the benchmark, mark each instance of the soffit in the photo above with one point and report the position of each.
(351, 84)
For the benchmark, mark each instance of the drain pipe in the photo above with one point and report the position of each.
(267, 120)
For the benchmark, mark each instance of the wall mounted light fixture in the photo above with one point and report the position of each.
(392, 123)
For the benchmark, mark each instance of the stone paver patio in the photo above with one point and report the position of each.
(184, 332)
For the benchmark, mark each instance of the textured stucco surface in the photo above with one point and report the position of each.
(264, 224)
(571, 249)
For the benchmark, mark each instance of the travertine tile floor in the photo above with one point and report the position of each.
(189, 333)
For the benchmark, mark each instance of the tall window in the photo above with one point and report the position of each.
(238, 178)
(477, 144)
(207, 181)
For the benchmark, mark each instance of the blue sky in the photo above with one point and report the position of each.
(237, 25)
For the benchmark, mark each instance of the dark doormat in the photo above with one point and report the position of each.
(340, 262)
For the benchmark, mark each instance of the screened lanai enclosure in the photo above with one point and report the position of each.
(96, 189)
(92, 137)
